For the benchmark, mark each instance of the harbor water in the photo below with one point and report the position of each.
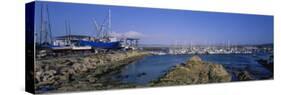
(153, 67)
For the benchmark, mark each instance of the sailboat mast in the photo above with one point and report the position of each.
(49, 25)
(66, 30)
(109, 21)
(69, 28)
(42, 25)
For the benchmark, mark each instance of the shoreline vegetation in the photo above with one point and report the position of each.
(94, 72)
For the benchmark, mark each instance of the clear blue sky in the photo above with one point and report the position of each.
(162, 26)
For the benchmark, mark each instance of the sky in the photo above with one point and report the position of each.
(161, 26)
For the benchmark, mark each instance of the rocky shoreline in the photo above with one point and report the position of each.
(80, 73)
(94, 72)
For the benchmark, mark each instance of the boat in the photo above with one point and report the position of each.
(97, 44)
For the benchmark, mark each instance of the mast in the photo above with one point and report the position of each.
(109, 21)
(46, 33)
(66, 30)
(42, 25)
(45, 27)
(96, 27)
(69, 29)
(105, 27)
(49, 25)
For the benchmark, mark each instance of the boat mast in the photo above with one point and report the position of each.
(49, 25)
(66, 31)
(96, 27)
(104, 28)
(42, 25)
(109, 21)
(45, 27)
(69, 29)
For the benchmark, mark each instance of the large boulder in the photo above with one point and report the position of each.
(194, 71)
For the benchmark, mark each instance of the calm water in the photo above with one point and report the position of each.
(152, 67)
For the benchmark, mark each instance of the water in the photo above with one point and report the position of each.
(151, 68)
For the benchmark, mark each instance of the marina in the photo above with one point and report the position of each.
(241, 49)
(111, 47)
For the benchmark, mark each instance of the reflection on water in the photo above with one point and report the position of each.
(151, 68)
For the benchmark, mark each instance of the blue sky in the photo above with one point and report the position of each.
(162, 26)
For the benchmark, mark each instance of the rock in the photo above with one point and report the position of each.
(66, 71)
(244, 76)
(48, 75)
(69, 62)
(79, 67)
(64, 77)
(195, 58)
(91, 78)
(38, 76)
(45, 78)
(195, 71)
(217, 73)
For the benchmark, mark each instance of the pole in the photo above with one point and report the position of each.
(109, 21)
(41, 27)
(49, 24)
(66, 31)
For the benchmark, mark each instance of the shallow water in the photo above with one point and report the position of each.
(151, 68)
